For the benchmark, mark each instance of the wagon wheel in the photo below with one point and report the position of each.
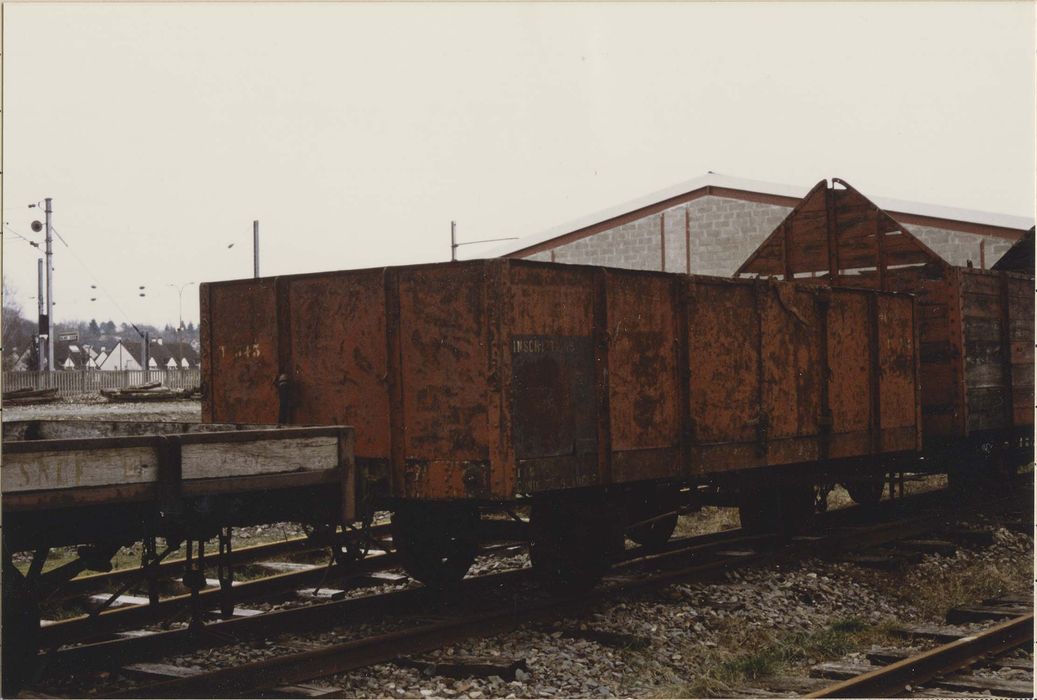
(759, 509)
(866, 492)
(571, 542)
(1000, 468)
(785, 507)
(436, 542)
(655, 504)
(21, 629)
(655, 534)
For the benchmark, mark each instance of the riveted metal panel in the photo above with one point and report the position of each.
(724, 372)
(897, 372)
(553, 402)
(444, 377)
(243, 351)
(339, 362)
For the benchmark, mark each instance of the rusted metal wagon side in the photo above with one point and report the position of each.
(976, 326)
(576, 387)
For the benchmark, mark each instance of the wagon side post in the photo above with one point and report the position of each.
(347, 467)
(685, 293)
(917, 323)
(602, 341)
(822, 301)
(206, 359)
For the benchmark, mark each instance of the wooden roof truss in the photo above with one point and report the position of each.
(835, 232)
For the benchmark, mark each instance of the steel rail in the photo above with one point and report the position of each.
(241, 555)
(845, 534)
(892, 680)
(323, 615)
(83, 627)
(252, 678)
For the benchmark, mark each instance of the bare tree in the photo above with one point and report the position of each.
(10, 323)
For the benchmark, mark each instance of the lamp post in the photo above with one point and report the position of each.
(180, 315)
(49, 251)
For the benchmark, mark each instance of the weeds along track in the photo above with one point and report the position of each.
(966, 665)
(376, 628)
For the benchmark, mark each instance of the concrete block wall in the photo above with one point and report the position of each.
(957, 247)
(723, 233)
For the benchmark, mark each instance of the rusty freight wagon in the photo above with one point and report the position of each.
(590, 394)
(975, 326)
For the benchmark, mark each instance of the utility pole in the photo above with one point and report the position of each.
(255, 248)
(41, 317)
(50, 287)
(454, 245)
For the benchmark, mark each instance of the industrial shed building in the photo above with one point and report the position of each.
(710, 225)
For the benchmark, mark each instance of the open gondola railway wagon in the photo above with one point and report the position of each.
(975, 326)
(589, 394)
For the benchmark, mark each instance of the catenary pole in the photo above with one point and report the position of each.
(41, 352)
(255, 248)
(50, 286)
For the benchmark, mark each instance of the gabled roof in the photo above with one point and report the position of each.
(69, 349)
(162, 353)
(1018, 258)
(715, 184)
(833, 231)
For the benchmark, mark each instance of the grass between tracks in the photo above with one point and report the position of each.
(742, 654)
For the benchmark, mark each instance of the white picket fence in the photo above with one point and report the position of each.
(91, 381)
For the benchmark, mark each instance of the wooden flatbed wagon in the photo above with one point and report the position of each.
(592, 394)
(104, 485)
(975, 326)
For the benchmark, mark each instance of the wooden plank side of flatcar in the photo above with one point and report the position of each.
(65, 466)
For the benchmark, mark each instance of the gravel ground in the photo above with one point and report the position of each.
(97, 408)
(692, 627)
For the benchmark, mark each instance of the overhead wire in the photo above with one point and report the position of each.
(99, 286)
(31, 242)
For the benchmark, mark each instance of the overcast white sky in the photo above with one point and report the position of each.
(355, 132)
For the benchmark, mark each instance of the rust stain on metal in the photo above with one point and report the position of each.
(975, 372)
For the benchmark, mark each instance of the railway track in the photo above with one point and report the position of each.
(458, 618)
(957, 668)
(356, 575)
(120, 579)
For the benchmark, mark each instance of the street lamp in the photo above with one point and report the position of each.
(180, 313)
